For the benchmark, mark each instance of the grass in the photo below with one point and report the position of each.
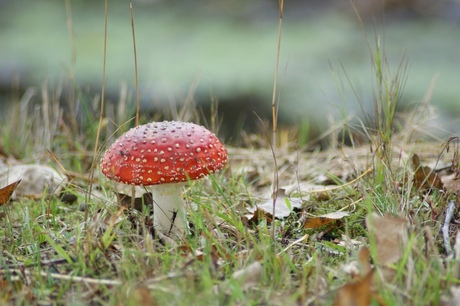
(98, 252)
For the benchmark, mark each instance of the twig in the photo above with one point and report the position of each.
(445, 227)
(173, 275)
(93, 281)
(36, 264)
(351, 204)
(21, 271)
(81, 279)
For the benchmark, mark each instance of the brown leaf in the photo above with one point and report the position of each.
(359, 292)
(390, 237)
(6, 192)
(319, 221)
(356, 294)
(424, 177)
(363, 259)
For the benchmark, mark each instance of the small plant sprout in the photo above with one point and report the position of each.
(163, 156)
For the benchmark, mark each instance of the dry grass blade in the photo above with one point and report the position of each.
(101, 114)
(344, 185)
(298, 241)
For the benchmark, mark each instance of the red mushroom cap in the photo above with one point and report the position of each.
(163, 152)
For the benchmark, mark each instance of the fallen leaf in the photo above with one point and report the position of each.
(360, 291)
(425, 178)
(390, 234)
(363, 259)
(7, 191)
(284, 205)
(322, 220)
(35, 179)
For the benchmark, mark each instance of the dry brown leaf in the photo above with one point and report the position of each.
(7, 191)
(356, 294)
(360, 292)
(322, 220)
(363, 259)
(424, 177)
(390, 235)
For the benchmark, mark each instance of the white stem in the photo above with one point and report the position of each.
(169, 214)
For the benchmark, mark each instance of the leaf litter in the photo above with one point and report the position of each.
(326, 187)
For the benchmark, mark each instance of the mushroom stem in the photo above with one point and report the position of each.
(169, 214)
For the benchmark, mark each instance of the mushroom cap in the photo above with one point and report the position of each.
(163, 152)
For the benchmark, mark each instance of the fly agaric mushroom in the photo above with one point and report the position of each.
(162, 156)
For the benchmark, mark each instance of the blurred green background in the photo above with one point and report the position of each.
(228, 49)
